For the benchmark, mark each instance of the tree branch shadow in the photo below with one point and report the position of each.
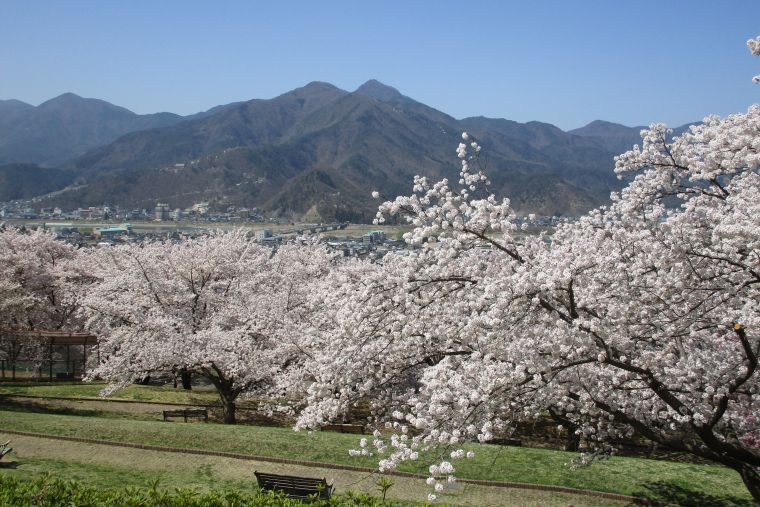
(42, 408)
(666, 493)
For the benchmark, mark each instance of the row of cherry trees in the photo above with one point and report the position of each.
(640, 317)
(221, 306)
(36, 273)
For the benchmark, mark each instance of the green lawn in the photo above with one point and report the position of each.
(631, 476)
(165, 394)
(109, 468)
(104, 476)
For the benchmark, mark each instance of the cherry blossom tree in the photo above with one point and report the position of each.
(640, 318)
(754, 47)
(36, 274)
(34, 270)
(220, 306)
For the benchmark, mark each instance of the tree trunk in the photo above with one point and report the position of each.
(228, 393)
(751, 477)
(227, 396)
(228, 405)
(572, 441)
(187, 379)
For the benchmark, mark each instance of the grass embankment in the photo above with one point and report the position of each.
(629, 476)
(106, 467)
(163, 394)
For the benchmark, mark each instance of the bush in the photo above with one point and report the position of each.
(53, 492)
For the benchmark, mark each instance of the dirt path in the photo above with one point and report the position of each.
(32, 453)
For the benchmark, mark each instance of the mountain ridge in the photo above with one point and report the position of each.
(319, 150)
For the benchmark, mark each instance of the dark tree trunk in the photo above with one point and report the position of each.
(187, 379)
(228, 407)
(572, 441)
(228, 393)
(229, 412)
(751, 477)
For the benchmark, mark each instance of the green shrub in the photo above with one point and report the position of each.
(53, 492)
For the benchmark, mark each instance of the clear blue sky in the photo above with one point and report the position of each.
(564, 62)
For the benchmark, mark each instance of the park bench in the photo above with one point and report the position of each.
(185, 413)
(515, 442)
(5, 449)
(301, 488)
(344, 428)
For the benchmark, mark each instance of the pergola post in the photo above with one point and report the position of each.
(50, 361)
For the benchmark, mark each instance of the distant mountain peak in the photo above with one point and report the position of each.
(377, 90)
(605, 124)
(313, 90)
(64, 97)
(603, 128)
(69, 102)
(316, 87)
(68, 95)
(14, 103)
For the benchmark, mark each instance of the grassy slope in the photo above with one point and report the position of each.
(620, 475)
(165, 394)
(115, 468)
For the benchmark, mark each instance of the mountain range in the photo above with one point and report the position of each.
(313, 153)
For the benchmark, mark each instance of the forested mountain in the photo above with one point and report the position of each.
(318, 151)
(615, 137)
(65, 127)
(24, 181)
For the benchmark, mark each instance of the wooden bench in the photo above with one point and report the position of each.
(5, 449)
(185, 413)
(344, 428)
(301, 488)
(515, 442)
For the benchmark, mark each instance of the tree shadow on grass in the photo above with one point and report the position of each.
(42, 408)
(666, 493)
(8, 465)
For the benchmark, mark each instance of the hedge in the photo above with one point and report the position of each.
(54, 492)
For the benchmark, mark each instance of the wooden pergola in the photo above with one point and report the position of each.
(50, 339)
